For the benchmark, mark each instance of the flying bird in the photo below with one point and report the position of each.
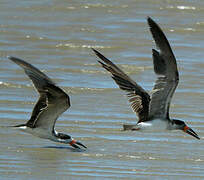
(53, 101)
(152, 111)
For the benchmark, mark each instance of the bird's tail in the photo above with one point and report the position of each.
(16, 126)
(19, 125)
(131, 127)
(6, 126)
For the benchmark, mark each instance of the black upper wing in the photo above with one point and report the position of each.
(138, 97)
(52, 102)
(166, 68)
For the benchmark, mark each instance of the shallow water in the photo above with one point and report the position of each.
(56, 37)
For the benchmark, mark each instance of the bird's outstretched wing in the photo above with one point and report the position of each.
(52, 102)
(138, 97)
(166, 68)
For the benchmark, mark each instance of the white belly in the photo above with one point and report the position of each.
(155, 125)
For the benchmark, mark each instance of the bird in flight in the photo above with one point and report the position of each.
(53, 101)
(152, 111)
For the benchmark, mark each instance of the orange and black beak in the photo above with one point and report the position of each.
(190, 131)
(76, 144)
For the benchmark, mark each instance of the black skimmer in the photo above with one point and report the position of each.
(152, 112)
(53, 101)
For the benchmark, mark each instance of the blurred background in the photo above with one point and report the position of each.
(57, 37)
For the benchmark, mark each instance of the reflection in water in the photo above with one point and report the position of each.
(65, 147)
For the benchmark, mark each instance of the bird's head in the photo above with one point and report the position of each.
(178, 124)
(64, 138)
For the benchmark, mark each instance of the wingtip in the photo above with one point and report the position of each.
(148, 18)
(150, 21)
(95, 51)
(10, 57)
(18, 61)
(99, 54)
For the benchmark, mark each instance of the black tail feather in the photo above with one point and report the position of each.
(20, 125)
